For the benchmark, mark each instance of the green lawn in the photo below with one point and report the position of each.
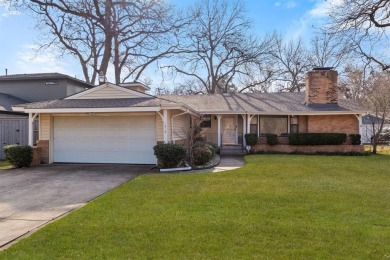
(276, 206)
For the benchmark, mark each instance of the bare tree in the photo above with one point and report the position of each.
(327, 51)
(363, 25)
(377, 99)
(129, 35)
(217, 45)
(293, 61)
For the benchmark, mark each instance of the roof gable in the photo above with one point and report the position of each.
(108, 91)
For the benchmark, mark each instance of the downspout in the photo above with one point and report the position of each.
(186, 112)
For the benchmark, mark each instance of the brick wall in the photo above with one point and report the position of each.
(321, 87)
(36, 156)
(44, 147)
(302, 124)
(348, 124)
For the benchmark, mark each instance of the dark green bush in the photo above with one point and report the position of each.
(202, 153)
(170, 155)
(355, 139)
(18, 155)
(251, 139)
(316, 138)
(215, 148)
(272, 139)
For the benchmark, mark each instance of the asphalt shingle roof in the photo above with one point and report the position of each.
(43, 76)
(7, 101)
(267, 103)
(98, 103)
(259, 102)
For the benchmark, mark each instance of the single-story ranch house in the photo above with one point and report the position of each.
(121, 124)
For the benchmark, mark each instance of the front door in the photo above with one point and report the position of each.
(229, 132)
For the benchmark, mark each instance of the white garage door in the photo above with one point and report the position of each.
(97, 139)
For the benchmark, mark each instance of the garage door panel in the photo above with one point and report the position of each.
(105, 139)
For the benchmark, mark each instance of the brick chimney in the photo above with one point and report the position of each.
(321, 86)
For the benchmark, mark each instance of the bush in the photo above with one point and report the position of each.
(18, 155)
(355, 139)
(215, 148)
(202, 153)
(272, 139)
(316, 138)
(170, 155)
(251, 139)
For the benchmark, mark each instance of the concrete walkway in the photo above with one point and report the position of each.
(32, 197)
(227, 162)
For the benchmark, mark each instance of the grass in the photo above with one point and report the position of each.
(276, 206)
(4, 165)
(381, 149)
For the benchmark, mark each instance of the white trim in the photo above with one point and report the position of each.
(219, 130)
(165, 125)
(125, 90)
(93, 110)
(301, 113)
(31, 119)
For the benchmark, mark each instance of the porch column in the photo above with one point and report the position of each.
(31, 118)
(360, 124)
(288, 124)
(219, 130)
(165, 125)
(243, 129)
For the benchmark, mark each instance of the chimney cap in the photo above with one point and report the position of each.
(323, 68)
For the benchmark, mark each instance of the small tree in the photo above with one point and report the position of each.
(200, 152)
(377, 99)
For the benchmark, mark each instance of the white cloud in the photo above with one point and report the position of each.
(29, 61)
(286, 4)
(322, 8)
(6, 10)
(290, 4)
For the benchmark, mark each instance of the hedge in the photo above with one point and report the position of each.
(251, 139)
(317, 138)
(170, 155)
(355, 139)
(18, 155)
(272, 139)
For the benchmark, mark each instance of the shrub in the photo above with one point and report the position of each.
(272, 139)
(316, 138)
(215, 148)
(202, 153)
(251, 139)
(169, 155)
(18, 155)
(355, 139)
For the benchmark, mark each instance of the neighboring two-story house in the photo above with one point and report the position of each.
(25, 88)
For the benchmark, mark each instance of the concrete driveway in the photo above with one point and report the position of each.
(32, 197)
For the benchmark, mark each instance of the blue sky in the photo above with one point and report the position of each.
(292, 18)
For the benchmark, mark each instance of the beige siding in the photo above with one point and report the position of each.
(181, 125)
(106, 93)
(180, 128)
(44, 127)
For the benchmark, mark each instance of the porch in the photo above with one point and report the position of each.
(229, 129)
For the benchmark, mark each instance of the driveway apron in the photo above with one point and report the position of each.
(32, 197)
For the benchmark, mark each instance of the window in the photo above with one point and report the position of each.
(273, 125)
(253, 125)
(206, 121)
(294, 124)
